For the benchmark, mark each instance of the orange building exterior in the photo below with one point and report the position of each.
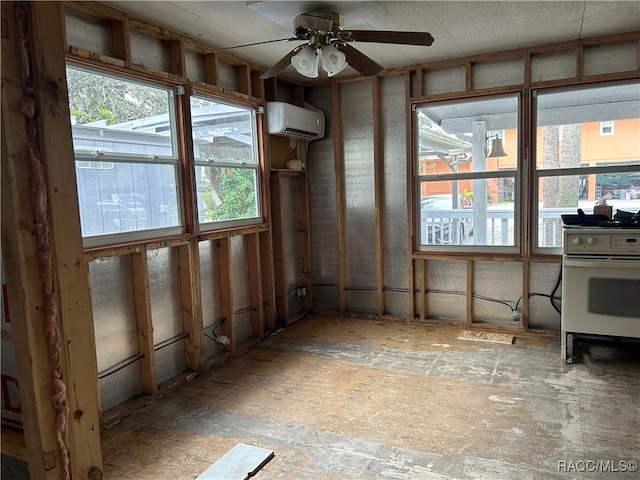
(620, 147)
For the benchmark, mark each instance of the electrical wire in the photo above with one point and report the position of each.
(213, 328)
(244, 310)
(514, 308)
(170, 341)
(553, 293)
(119, 366)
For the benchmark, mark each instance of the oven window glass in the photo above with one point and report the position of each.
(617, 297)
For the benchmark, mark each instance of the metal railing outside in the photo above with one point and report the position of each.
(456, 227)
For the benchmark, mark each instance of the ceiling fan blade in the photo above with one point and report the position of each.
(313, 22)
(283, 63)
(360, 62)
(386, 36)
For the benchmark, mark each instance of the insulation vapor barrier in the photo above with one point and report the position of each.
(542, 278)
(322, 203)
(240, 276)
(210, 285)
(291, 240)
(444, 282)
(357, 126)
(166, 312)
(116, 333)
(497, 286)
(394, 212)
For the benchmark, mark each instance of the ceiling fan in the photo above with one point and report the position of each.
(328, 44)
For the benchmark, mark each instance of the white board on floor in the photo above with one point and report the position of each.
(239, 463)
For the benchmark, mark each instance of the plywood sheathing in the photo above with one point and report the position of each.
(340, 398)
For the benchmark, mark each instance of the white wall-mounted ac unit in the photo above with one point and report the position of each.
(290, 120)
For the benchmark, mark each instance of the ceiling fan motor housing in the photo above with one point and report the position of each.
(304, 25)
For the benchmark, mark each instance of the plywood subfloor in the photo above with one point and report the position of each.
(345, 398)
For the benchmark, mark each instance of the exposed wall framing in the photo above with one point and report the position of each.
(284, 245)
(570, 63)
(113, 42)
(185, 61)
(71, 293)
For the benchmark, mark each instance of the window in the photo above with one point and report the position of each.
(466, 174)
(226, 161)
(125, 146)
(606, 128)
(584, 165)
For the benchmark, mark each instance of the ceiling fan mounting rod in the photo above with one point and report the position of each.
(306, 24)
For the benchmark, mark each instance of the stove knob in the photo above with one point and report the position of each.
(591, 241)
(577, 240)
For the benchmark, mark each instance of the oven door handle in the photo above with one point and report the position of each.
(601, 263)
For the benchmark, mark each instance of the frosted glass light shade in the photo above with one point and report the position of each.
(306, 62)
(333, 60)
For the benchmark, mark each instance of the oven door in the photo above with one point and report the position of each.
(601, 296)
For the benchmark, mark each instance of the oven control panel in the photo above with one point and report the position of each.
(628, 244)
(602, 242)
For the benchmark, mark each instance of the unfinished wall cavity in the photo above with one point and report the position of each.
(150, 51)
(89, 32)
(210, 287)
(290, 235)
(195, 62)
(323, 212)
(543, 278)
(394, 211)
(445, 283)
(497, 288)
(166, 312)
(356, 106)
(240, 287)
(610, 58)
(497, 74)
(553, 66)
(114, 318)
(444, 80)
(228, 76)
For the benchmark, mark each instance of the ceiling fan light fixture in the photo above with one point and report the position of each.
(333, 60)
(306, 62)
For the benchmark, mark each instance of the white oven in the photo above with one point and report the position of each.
(600, 284)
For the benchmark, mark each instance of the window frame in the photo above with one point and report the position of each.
(583, 170)
(256, 166)
(497, 174)
(607, 123)
(102, 156)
